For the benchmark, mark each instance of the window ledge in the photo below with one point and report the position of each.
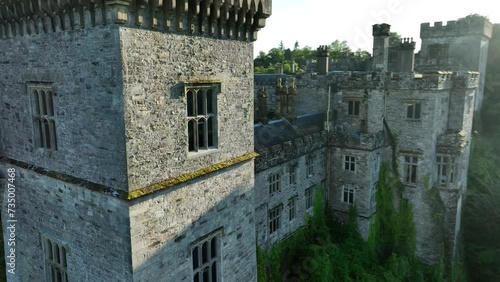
(203, 152)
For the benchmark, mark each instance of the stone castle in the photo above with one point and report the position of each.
(130, 125)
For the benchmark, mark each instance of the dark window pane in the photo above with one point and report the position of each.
(200, 102)
(195, 258)
(211, 132)
(190, 103)
(46, 138)
(50, 106)
(345, 196)
(204, 253)
(210, 102)
(206, 274)
(214, 271)
(196, 277)
(213, 248)
(201, 134)
(192, 135)
(356, 108)
(41, 99)
(53, 134)
(409, 113)
(36, 108)
(49, 249)
(63, 256)
(417, 110)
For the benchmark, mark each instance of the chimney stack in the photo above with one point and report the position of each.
(323, 59)
(406, 55)
(381, 34)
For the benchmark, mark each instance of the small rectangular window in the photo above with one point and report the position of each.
(293, 174)
(309, 195)
(292, 209)
(56, 265)
(350, 163)
(353, 107)
(413, 110)
(309, 166)
(274, 183)
(44, 119)
(446, 169)
(275, 219)
(347, 194)
(410, 169)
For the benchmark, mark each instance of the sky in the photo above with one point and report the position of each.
(320, 22)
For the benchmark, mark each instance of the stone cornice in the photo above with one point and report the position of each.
(135, 194)
(226, 19)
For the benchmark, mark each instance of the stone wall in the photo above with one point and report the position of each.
(93, 227)
(164, 226)
(277, 163)
(155, 67)
(84, 69)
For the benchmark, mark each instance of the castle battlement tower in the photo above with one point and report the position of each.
(130, 127)
(460, 45)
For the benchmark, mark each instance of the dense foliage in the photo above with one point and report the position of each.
(328, 251)
(298, 57)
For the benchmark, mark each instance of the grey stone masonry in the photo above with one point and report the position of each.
(460, 45)
(96, 120)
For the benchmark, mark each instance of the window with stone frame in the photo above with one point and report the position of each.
(438, 51)
(353, 107)
(446, 169)
(274, 181)
(293, 173)
(309, 166)
(275, 219)
(292, 207)
(348, 193)
(44, 118)
(56, 266)
(350, 163)
(413, 110)
(309, 195)
(410, 169)
(201, 116)
(205, 258)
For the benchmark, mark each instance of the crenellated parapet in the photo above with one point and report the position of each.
(289, 150)
(475, 26)
(227, 19)
(432, 80)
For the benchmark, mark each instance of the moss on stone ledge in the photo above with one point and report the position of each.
(187, 176)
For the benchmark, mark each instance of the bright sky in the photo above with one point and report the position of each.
(320, 22)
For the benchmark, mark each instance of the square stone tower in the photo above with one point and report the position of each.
(129, 125)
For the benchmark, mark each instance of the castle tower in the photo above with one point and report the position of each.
(460, 45)
(381, 34)
(119, 120)
(322, 57)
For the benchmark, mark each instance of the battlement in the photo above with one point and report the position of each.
(289, 150)
(228, 19)
(434, 80)
(462, 27)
